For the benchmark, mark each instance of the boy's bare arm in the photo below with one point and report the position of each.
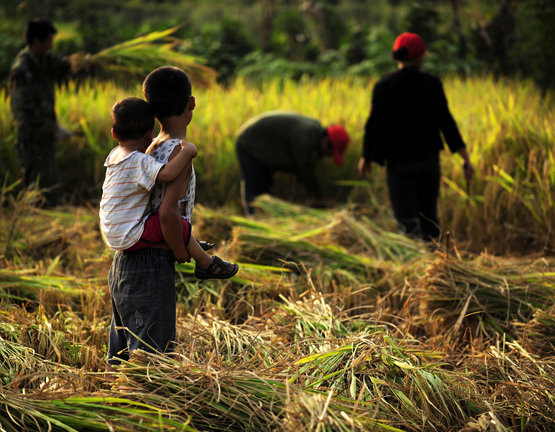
(172, 229)
(175, 166)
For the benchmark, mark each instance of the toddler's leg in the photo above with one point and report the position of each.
(208, 267)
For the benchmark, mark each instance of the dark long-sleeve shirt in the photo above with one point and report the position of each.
(32, 93)
(409, 109)
(284, 141)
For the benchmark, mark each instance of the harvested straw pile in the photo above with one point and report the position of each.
(485, 299)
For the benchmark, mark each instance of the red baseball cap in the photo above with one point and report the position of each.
(413, 43)
(339, 138)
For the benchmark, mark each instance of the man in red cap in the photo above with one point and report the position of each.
(285, 141)
(409, 109)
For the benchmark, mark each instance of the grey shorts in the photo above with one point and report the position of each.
(142, 288)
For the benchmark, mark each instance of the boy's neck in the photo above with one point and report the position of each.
(173, 128)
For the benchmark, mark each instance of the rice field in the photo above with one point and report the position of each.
(507, 125)
(335, 322)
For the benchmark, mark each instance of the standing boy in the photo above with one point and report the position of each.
(140, 305)
(168, 90)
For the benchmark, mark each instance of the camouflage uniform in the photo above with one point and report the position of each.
(33, 107)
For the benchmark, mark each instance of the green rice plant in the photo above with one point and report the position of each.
(16, 359)
(315, 319)
(217, 226)
(91, 412)
(282, 345)
(383, 244)
(20, 204)
(346, 268)
(249, 400)
(23, 285)
(306, 412)
(52, 340)
(289, 212)
(506, 206)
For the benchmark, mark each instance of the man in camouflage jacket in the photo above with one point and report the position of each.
(32, 78)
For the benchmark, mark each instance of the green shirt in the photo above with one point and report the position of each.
(32, 93)
(284, 141)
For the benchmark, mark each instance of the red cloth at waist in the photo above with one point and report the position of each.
(153, 232)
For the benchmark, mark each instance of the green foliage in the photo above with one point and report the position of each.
(290, 37)
(258, 67)
(444, 59)
(535, 20)
(423, 19)
(507, 38)
(379, 43)
(355, 47)
(223, 45)
(11, 42)
(332, 25)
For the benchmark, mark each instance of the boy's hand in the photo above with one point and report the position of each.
(189, 147)
(182, 259)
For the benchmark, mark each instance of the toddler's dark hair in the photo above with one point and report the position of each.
(39, 28)
(168, 90)
(132, 118)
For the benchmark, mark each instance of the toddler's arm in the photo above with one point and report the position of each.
(172, 169)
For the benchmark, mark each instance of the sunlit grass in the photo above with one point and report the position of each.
(508, 126)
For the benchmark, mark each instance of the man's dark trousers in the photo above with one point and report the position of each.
(256, 178)
(38, 159)
(413, 191)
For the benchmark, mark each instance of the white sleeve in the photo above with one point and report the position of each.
(148, 170)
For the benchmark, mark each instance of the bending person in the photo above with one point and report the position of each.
(285, 141)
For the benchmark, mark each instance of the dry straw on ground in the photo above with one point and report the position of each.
(339, 326)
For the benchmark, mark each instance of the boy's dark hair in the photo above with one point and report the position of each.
(132, 118)
(39, 28)
(168, 90)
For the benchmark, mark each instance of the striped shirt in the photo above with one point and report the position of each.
(125, 196)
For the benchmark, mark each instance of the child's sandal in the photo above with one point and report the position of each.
(205, 245)
(226, 270)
